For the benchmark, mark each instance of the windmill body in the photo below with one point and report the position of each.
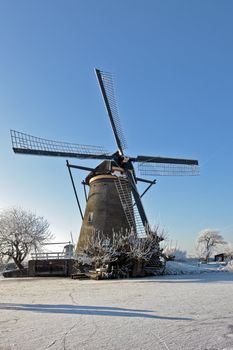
(104, 211)
(113, 201)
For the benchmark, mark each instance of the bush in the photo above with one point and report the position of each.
(229, 266)
(174, 253)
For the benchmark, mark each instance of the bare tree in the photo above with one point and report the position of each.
(207, 242)
(20, 232)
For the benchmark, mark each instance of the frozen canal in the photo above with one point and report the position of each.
(164, 313)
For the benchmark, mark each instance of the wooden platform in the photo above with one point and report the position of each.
(79, 276)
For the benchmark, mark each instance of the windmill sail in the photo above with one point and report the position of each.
(162, 166)
(136, 196)
(131, 211)
(125, 196)
(107, 88)
(152, 159)
(163, 169)
(28, 144)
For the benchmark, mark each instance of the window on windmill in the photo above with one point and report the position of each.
(90, 217)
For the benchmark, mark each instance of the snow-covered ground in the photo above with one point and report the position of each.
(190, 267)
(162, 313)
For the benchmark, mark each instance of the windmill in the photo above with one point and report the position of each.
(113, 201)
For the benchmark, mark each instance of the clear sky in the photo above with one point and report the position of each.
(172, 62)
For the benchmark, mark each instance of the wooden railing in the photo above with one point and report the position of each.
(48, 256)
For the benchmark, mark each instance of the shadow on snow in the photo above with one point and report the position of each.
(86, 310)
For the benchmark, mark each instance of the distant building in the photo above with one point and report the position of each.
(219, 257)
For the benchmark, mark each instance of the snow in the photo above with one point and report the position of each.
(187, 312)
(178, 268)
(229, 266)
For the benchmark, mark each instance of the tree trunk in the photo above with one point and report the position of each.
(138, 269)
(18, 264)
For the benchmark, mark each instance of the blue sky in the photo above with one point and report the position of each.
(172, 62)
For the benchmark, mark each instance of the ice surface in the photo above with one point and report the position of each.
(188, 312)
